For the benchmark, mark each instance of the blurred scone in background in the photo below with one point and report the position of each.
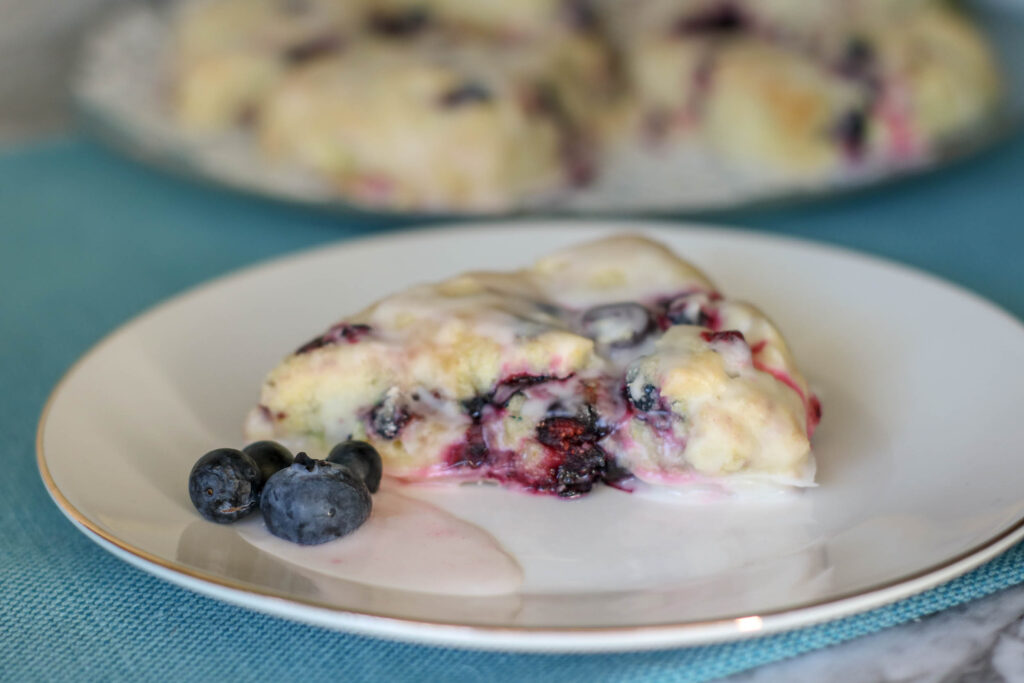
(478, 106)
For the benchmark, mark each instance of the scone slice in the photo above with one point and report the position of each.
(613, 362)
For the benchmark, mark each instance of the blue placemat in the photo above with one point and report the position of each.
(87, 240)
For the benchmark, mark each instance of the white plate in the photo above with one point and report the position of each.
(918, 454)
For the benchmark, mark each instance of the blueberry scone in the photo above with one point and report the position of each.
(890, 94)
(482, 105)
(934, 77)
(426, 104)
(691, 64)
(434, 123)
(849, 85)
(612, 361)
(229, 53)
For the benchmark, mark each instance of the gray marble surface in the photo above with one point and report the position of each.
(980, 642)
(975, 643)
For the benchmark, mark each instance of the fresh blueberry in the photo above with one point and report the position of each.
(225, 485)
(270, 456)
(314, 501)
(362, 459)
(617, 326)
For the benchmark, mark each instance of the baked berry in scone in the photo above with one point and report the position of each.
(614, 361)
(434, 123)
(228, 53)
(523, 19)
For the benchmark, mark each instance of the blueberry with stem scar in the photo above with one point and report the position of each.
(314, 501)
(226, 483)
(362, 459)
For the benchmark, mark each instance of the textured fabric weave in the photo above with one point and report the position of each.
(87, 240)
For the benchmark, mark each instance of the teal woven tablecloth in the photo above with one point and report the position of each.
(87, 240)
